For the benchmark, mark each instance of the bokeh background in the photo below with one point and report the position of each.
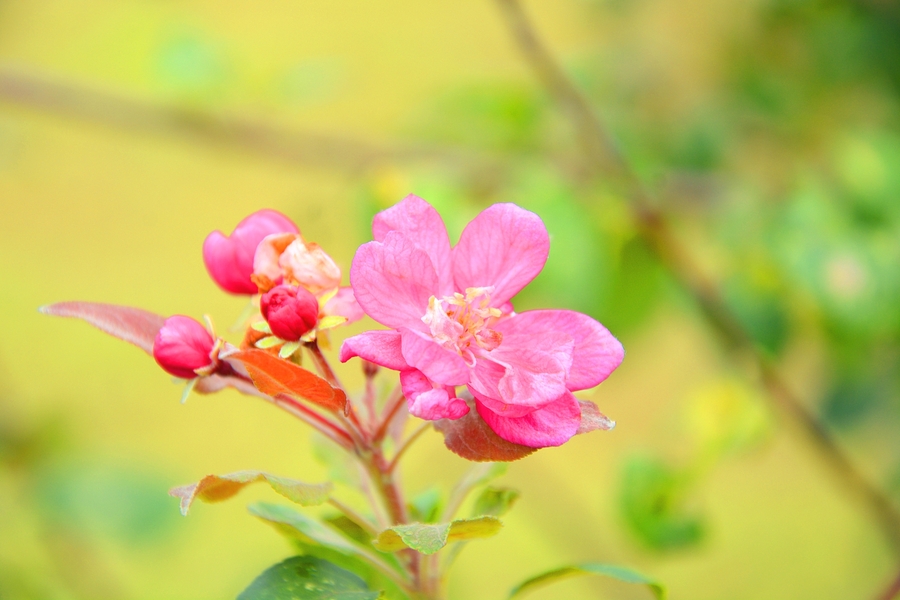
(765, 133)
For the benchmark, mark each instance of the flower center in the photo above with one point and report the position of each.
(462, 323)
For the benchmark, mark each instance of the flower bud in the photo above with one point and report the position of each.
(183, 345)
(229, 259)
(290, 311)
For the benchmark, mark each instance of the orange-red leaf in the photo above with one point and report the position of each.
(276, 377)
(215, 488)
(471, 438)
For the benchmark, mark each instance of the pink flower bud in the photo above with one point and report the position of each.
(182, 346)
(229, 260)
(290, 311)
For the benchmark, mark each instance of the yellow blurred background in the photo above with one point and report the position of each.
(129, 130)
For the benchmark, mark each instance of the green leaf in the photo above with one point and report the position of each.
(214, 488)
(495, 501)
(349, 528)
(426, 505)
(614, 571)
(429, 538)
(298, 526)
(315, 539)
(653, 500)
(308, 578)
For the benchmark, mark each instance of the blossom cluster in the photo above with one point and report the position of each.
(450, 328)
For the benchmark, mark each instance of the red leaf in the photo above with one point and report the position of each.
(135, 326)
(592, 419)
(471, 438)
(274, 376)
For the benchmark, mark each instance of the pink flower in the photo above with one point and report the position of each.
(229, 260)
(291, 311)
(182, 346)
(451, 322)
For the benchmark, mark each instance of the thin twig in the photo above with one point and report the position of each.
(331, 377)
(653, 226)
(407, 443)
(270, 141)
(333, 432)
(892, 591)
(394, 403)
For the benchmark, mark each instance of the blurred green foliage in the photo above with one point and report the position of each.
(768, 133)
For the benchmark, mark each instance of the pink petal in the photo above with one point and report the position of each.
(422, 224)
(596, 353)
(550, 425)
(439, 364)
(428, 401)
(379, 347)
(268, 252)
(524, 373)
(505, 247)
(344, 304)
(229, 259)
(228, 264)
(393, 280)
(308, 265)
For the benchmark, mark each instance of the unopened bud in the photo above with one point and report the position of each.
(291, 311)
(182, 346)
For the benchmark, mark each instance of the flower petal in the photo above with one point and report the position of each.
(504, 247)
(380, 347)
(524, 372)
(393, 280)
(551, 425)
(344, 304)
(229, 259)
(428, 401)
(422, 224)
(436, 362)
(596, 353)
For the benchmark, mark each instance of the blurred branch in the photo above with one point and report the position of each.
(266, 140)
(892, 591)
(654, 227)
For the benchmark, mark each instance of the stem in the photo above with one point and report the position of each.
(328, 373)
(407, 443)
(234, 379)
(654, 228)
(394, 403)
(316, 421)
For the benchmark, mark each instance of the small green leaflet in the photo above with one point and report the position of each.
(308, 578)
(495, 501)
(429, 538)
(616, 572)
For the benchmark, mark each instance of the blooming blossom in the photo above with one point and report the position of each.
(183, 346)
(452, 324)
(229, 259)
